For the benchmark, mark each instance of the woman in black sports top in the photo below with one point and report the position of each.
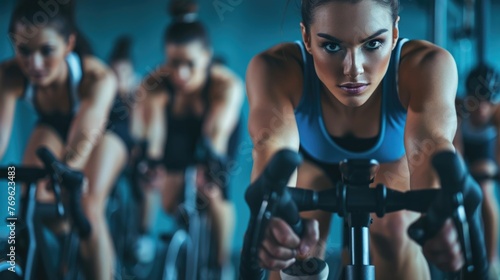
(189, 100)
(72, 94)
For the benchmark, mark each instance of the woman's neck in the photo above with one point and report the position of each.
(60, 82)
(197, 90)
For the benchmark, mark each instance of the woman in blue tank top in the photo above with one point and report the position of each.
(353, 89)
(72, 95)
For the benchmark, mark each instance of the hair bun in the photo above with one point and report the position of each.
(183, 10)
(121, 49)
(65, 9)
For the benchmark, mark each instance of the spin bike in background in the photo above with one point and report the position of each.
(40, 254)
(191, 251)
(269, 197)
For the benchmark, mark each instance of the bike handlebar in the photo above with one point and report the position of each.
(379, 200)
(61, 175)
(459, 198)
(480, 177)
(73, 181)
(271, 189)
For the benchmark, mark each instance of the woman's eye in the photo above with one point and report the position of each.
(47, 51)
(24, 51)
(331, 47)
(373, 45)
(174, 63)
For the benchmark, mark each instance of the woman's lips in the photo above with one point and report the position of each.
(37, 76)
(353, 88)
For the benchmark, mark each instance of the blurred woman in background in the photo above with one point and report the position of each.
(477, 140)
(191, 100)
(72, 92)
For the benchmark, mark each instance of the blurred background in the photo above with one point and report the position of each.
(240, 30)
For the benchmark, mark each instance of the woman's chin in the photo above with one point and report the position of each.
(354, 102)
(39, 83)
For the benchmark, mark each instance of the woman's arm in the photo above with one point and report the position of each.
(98, 90)
(272, 81)
(429, 78)
(458, 140)
(269, 84)
(496, 123)
(226, 100)
(150, 112)
(10, 81)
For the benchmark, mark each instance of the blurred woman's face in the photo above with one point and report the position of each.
(483, 113)
(351, 45)
(41, 57)
(124, 71)
(187, 65)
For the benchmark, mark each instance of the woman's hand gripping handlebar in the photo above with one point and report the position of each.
(269, 197)
(74, 182)
(460, 199)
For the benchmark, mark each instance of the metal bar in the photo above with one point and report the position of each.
(439, 22)
(482, 25)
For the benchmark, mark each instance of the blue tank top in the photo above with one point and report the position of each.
(314, 137)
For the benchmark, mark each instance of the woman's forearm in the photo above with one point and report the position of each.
(86, 131)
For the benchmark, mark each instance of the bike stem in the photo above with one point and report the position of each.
(358, 174)
(359, 247)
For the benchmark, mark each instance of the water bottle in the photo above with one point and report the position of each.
(308, 269)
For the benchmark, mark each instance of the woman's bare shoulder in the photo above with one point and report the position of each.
(416, 52)
(425, 69)
(12, 78)
(278, 70)
(95, 69)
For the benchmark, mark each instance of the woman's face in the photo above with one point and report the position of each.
(124, 71)
(351, 46)
(483, 113)
(42, 54)
(187, 64)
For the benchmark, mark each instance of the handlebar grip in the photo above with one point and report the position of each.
(418, 231)
(276, 176)
(73, 182)
(455, 182)
(266, 197)
(288, 211)
(47, 158)
(81, 222)
(249, 265)
(280, 168)
(479, 258)
(450, 170)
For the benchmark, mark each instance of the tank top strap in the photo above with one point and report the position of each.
(75, 66)
(391, 88)
(311, 83)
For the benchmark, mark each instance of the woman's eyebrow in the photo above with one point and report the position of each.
(381, 31)
(336, 40)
